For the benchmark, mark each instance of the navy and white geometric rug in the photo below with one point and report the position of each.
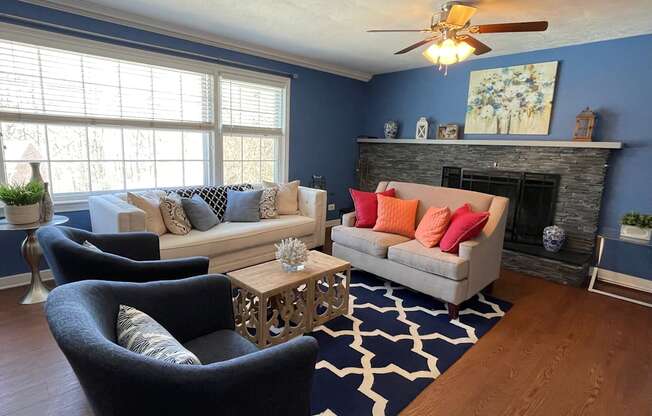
(394, 343)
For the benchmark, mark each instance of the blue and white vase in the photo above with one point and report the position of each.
(391, 129)
(553, 238)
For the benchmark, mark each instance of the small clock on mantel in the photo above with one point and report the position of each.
(584, 124)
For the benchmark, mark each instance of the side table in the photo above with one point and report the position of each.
(611, 234)
(31, 251)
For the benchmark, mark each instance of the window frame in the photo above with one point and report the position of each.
(78, 201)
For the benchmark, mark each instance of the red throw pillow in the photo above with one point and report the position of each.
(465, 225)
(366, 206)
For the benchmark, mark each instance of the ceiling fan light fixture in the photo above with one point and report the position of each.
(448, 52)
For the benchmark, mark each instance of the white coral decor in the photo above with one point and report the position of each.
(291, 252)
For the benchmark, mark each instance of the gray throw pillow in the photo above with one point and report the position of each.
(140, 333)
(243, 206)
(199, 213)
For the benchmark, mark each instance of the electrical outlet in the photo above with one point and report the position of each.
(331, 207)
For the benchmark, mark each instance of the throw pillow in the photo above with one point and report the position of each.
(396, 216)
(174, 216)
(91, 246)
(287, 199)
(465, 225)
(151, 206)
(433, 226)
(268, 203)
(243, 206)
(199, 213)
(140, 333)
(366, 206)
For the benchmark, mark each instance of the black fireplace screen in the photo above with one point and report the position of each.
(532, 197)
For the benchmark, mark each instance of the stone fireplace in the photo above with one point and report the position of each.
(547, 183)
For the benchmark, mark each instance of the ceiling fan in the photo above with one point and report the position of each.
(450, 34)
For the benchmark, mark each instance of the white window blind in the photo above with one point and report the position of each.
(99, 124)
(45, 81)
(253, 130)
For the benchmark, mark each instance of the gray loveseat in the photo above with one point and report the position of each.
(452, 278)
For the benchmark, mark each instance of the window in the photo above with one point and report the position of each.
(105, 118)
(98, 124)
(252, 116)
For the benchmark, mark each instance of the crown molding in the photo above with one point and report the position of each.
(151, 25)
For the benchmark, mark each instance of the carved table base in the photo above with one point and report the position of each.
(272, 318)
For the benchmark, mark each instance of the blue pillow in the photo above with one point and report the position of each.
(243, 206)
(199, 213)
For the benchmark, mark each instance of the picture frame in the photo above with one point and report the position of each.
(448, 131)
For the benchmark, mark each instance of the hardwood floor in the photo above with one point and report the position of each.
(558, 351)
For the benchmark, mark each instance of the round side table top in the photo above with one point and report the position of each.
(56, 220)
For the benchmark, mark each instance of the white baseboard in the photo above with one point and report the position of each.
(22, 279)
(333, 223)
(625, 280)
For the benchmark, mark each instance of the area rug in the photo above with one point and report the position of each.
(391, 346)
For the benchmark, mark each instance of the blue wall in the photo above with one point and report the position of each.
(612, 77)
(324, 115)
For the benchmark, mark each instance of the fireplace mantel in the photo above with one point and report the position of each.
(527, 143)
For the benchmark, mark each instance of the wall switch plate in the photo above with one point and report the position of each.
(331, 207)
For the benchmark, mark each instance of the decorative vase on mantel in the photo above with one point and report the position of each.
(391, 129)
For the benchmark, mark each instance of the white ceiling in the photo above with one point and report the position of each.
(330, 34)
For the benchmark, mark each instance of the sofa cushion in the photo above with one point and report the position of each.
(234, 236)
(151, 206)
(429, 260)
(366, 240)
(396, 216)
(215, 196)
(219, 346)
(366, 206)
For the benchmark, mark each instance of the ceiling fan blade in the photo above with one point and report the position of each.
(414, 46)
(539, 26)
(480, 48)
(460, 14)
(398, 30)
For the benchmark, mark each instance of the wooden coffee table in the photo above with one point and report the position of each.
(272, 306)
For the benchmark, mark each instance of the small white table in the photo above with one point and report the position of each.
(613, 234)
(31, 251)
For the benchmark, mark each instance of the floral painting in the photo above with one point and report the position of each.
(511, 100)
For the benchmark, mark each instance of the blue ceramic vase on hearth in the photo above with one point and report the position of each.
(553, 238)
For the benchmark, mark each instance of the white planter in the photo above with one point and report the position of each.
(638, 233)
(22, 214)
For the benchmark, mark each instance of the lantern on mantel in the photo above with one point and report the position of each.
(584, 124)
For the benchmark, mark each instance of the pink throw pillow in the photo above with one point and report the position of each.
(366, 206)
(465, 225)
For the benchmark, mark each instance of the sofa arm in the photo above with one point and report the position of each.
(312, 203)
(348, 219)
(110, 214)
(484, 253)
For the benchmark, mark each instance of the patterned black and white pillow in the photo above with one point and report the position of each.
(215, 196)
(268, 207)
(140, 333)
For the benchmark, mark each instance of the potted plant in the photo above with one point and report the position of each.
(22, 202)
(636, 225)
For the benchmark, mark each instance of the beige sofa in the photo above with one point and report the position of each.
(229, 246)
(449, 277)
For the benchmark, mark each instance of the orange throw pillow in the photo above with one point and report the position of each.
(396, 216)
(433, 226)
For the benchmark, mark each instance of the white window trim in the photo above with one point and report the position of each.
(54, 40)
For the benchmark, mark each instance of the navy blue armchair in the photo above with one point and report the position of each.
(235, 379)
(127, 257)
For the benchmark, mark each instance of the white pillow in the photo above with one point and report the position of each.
(287, 198)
